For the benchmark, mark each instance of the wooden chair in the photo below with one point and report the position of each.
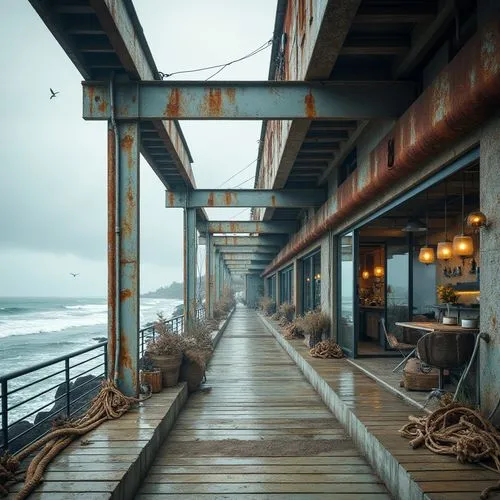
(446, 350)
(406, 350)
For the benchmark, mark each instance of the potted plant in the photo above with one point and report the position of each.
(447, 296)
(314, 325)
(150, 376)
(198, 349)
(165, 352)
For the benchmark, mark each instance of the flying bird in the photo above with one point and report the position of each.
(74, 274)
(53, 93)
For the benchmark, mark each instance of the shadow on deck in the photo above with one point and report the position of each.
(259, 430)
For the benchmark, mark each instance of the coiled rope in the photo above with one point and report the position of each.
(326, 349)
(109, 404)
(459, 431)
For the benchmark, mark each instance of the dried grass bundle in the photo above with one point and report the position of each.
(166, 342)
(286, 312)
(267, 305)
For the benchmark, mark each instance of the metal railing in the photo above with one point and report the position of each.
(31, 398)
(49, 387)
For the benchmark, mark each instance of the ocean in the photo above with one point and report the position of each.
(34, 330)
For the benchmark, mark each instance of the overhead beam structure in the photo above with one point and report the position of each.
(242, 198)
(243, 241)
(247, 256)
(264, 250)
(248, 100)
(253, 227)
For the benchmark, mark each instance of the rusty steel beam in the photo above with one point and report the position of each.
(247, 256)
(123, 256)
(255, 241)
(239, 198)
(249, 100)
(282, 227)
(190, 265)
(231, 249)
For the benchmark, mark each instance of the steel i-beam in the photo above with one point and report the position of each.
(264, 100)
(123, 256)
(252, 227)
(190, 265)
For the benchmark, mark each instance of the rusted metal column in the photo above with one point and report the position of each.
(123, 255)
(209, 305)
(190, 265)
(216, 273)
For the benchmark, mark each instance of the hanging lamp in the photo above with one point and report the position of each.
(365, 274)
(426, 255)
(378, 271)
(463, 245)
(445, 248)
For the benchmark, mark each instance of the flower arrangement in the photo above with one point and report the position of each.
(446, 294)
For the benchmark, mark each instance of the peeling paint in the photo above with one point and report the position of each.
(174, 108)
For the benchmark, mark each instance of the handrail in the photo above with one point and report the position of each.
(12, 398)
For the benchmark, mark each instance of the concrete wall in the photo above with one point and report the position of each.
(490, 266)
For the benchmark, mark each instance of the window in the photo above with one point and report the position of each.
(311, 279)
(271, 287)
(286, 285)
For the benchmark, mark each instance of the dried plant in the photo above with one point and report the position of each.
(294, 330)
(198, 336)
(286, 312)
(315, 324)
(166, 342)
(268, 305)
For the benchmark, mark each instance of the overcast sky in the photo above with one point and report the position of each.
(53, 163)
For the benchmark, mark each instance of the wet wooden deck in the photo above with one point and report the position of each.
(260, 432)
(373, 415)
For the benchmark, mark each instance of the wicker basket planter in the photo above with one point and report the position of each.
(416, 378)
(169, 366)
(152, 378)
(192, 373)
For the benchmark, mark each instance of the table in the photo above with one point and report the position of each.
(434, 326)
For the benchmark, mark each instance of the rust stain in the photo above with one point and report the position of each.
(233, 227)
(227, 199)
(126, 361)
(301, 15)
(171, 198)
(310, 105)
(231, 94)
(125, 294)
(211, 200)
(213, 102)
(91, 100)
(273, 200)
(174, 108)
(102, 107)
(127, 143)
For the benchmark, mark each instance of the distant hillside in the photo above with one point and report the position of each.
(172, 291)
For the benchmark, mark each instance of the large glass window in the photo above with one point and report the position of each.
(311, 279)
(271, 287)
(286, 285)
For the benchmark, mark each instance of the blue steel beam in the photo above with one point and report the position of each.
(247, 256)
(255, 241)
(235, 227)
(249, 100)
(190, 264)
(123, 256)
(240, 198)
(229, 249)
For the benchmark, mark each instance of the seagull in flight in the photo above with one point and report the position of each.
(53, 93)
(74, 274)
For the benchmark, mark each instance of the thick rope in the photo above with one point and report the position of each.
(326, 349)
(459, 431)
(109, 404)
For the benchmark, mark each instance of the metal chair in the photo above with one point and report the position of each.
(406, 350)
(446, 350)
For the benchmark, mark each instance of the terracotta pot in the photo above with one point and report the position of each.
(153, 378)
(169, 366)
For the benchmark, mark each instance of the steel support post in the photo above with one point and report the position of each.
(217, 260)
(277, 291)
(190, 267)
(123, 255)
(209, 304)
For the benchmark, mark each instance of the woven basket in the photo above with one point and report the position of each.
(192, 373)
(414, 379)
(169, 366)
(153, 379)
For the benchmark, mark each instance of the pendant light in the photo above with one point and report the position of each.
(462, 245)
(365, 274)
(426, 255)
(445, 248)
(378, 271)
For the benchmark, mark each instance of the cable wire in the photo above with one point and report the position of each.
(219, 67)
(239, 172)
(238, 213)
(241, 183)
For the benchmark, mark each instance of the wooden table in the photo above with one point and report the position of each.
(434, 326)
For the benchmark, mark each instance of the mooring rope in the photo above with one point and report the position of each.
(457, 430)
(326, 349)
(109, 404)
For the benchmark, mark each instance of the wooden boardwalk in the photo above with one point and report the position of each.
(260, 432)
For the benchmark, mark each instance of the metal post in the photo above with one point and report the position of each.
(190, 278)
(68, 392)
(208, 276)
(123, 255)
(216, 274)
(5, 415)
